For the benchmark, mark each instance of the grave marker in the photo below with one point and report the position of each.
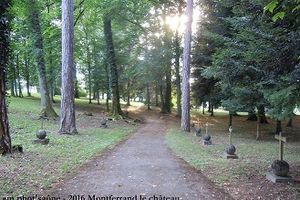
(230, 149)
(280, 168)
(206, 137)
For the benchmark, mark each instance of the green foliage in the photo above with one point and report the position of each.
(280, 9)
(255, 64)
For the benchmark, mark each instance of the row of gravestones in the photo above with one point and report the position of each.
(280, 168)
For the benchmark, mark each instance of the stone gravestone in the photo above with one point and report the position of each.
(230, 149)
(206, 137)
(280, 168)
(103, 123)
(41, 134)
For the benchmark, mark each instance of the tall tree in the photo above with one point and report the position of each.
(177, 60)
(67, 115)
(185, 88)
(47, 109)
(111, 59)
(5, 140)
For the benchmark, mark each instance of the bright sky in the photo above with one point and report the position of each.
(179, 21)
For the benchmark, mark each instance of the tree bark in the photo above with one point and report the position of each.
(290, 123)
(167, 55)
(209, 106)
(5, 140)
(12, 88)
(257, 127)
(107, 87)
(230, 119)
(89, 70)
(67, 115)
(15, 80)
(51, 78)
(278, 127)
(168, 94)
(261, 111)
(128, 93)
(116, 107)
(27, 76)
(162, 99)
(156, 94)
(185, 89)
(98, 97)
(148, 97)
(47, 109)
(212, 110)
(177, 62)
(18, 76)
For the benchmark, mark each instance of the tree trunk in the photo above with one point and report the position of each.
(116, 107)
(168, 94)
(94, 93)
(252, 116)
(47, 109)
(162, 99)
(5, 140)
(107, 87)
(15, 81)
(230, 119)
(261, 111)
(128, 93)
(12, 88)
(278, 127)
(177, 62)
(51, 78)
(98, 97)
(89, 72)
(290, 123)
(185, 90)
(209, 106)
(27, 76)
(212, 110)
(156, 94)
(18, 76)
(203, 110)
(67, 115)
(148, 96)
(257, 127)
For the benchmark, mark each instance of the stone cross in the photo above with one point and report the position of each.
(206, 126)
(42, 123)
(281, 141)
(230, 135)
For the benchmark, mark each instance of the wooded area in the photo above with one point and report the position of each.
(245, 56)
(213, 65)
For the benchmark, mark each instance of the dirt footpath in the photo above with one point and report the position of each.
(142, 168)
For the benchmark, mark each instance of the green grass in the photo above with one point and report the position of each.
(42, 165)
(255, 157)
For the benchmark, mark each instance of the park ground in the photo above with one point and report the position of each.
(41, 169)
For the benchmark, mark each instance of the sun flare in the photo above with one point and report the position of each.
(177, 22)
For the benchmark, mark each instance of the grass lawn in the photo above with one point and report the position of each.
(243, 178)
(39, 167)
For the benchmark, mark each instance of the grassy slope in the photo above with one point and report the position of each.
(40, 166)
(255, 156)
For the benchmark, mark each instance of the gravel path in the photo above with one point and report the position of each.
(141, 168)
